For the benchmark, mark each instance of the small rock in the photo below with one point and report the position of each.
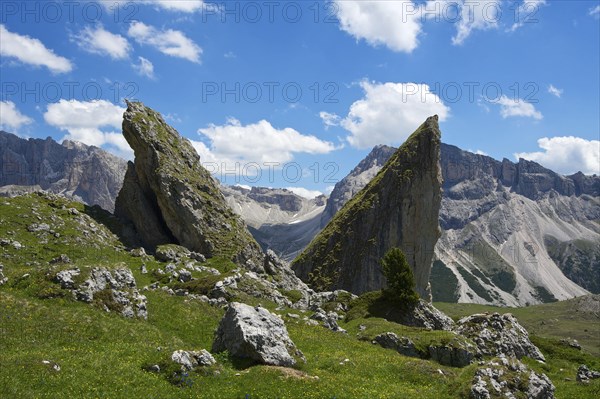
(62, 258)
(143, 269)
(65, 278)
(191, 359)
(155, 368)
(138, 252)
(584, 374)
(184, 276)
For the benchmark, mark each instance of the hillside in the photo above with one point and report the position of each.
(55, 346)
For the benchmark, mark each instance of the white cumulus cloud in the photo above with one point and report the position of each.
(476, 15)
(96, 123)
(98, 40)
(566, 155)
(144, 68)
(389, 113)
(11, 118)
(304, 192)
(556, 92)
(510, 107)
(259, 143)
(595, 11)
(394, 24)
(170, 42)
(31, 51)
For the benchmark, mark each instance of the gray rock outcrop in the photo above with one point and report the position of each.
(398, 208)
(171, 199)
(453, 356)
(425, 315)
(85, 173)
(497, 335)
(114, 290)
(255, 333)
(403, 345)
(192, 359)
(584, 374)
(509, 378)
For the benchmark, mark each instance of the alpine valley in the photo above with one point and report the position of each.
(149, 278)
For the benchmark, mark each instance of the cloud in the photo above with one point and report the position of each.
(595, 11)
(259, 143)
(31, 51)
(567, 155)
(84, 121)
(394, 24)
(329, 119)
(517, 107)
(478, 152)
(186, 6)
(389, 113)
(304, 193)
(526, 12)
(476, 15)
(100, 41)
(144, 68)
(11, 118)
(555, 91)
(170, 42)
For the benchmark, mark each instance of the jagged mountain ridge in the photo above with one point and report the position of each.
(277, 218)
(85, 173)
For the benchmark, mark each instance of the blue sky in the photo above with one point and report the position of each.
(305, 89)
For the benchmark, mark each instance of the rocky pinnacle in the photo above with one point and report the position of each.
(398, 208)
(170, 198)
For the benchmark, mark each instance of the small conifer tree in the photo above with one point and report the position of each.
(400, 278)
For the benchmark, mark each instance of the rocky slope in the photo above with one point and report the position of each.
(512, 233)
(498, 221)
(398, 208)
(277, 218)
(358, 178)
(170, 198)
(85, 173)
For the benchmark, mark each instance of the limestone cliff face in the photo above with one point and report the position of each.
(85, 173)
(170, 198)
(398, 208)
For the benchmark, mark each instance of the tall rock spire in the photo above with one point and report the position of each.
(398, 208)
(170, 198)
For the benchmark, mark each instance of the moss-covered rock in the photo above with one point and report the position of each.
(171, 199)
(398, 208)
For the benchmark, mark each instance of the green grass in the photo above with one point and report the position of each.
(105, 355)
